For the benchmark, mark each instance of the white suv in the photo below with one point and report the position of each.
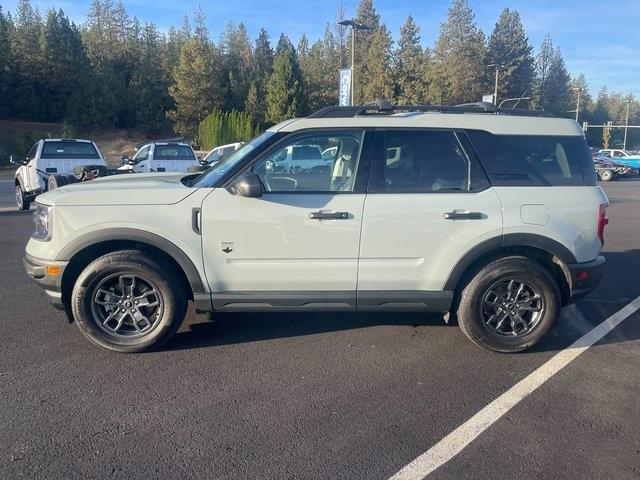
(493, 216)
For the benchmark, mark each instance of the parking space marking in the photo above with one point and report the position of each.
(456, 441)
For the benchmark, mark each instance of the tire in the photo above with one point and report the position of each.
(55, 181)
(606, 175)
(480, 308)
(21, 200)
(100, 294)
(58, 180)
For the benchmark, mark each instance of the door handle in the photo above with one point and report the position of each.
(329, 215)
(463, 215)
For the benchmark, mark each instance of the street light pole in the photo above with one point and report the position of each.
(353, 63)
(626, 126)
(495, 87)
(354, 27)
(578, 102)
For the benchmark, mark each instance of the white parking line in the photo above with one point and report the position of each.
(456, 441)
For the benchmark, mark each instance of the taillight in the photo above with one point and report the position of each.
(602, 221)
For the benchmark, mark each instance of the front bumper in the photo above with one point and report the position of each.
(41, 272)
(585, 277)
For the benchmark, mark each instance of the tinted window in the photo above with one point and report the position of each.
(173, 152)
(300, 166)
(69, 150)
(425, 161)
(528, 159)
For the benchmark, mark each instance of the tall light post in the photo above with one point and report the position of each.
(355, 26)
(626, 126)
(579, 90)
(497, 66)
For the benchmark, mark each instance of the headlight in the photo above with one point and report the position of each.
(43, 217)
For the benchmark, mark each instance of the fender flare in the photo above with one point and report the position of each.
(134, 235)
(540, 242)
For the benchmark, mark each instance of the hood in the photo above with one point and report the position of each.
(126, 189)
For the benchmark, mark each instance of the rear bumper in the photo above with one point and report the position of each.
(585, 277)
(36, 269)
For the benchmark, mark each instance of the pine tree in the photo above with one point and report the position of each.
(238, 62)
(378, 81)
(151, 100)
(7, 67)
(196, 90)
(285, 89)
(366, 15)
(255, 104)
(411, 66)
(28, 60)
(284, 43)
(459, 58)
(319, 70)
(553, 89)
(509, 46)
(65, 66)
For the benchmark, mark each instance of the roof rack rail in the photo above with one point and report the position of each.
(384, 107)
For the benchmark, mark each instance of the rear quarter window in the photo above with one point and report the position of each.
(533, 160)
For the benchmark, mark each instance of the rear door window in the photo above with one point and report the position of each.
(528, 159)
(425, 162)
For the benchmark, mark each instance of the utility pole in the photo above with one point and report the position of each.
(626, 127)
(495, 87)
(578, 102)
(355, 26)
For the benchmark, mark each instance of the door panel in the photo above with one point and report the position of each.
(273, 245)
(407, 244)
(428, 204)
(303, 233)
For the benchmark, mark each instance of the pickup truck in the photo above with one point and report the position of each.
(51, 157)
(160, 157)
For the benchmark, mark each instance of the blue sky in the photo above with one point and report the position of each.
(598, 38)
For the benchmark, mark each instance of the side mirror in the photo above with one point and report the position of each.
(125, 159)
(248, 185)
(13, 161)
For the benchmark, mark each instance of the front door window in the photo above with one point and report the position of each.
(318, 162)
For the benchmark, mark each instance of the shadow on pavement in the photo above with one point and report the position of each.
(615, 291)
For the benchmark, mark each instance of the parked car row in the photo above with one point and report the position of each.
(613, 164)
(55, 162)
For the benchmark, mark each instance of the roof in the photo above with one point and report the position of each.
(494, 123)
(66, 140)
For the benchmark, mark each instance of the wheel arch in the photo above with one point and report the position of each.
(87, 248)
(550, 253)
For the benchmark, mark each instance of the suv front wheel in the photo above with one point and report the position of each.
(509, 305)
(128, 301)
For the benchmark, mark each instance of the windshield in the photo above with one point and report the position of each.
(212, 175)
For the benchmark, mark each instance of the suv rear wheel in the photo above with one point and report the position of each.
(509, 305)
(127, 301)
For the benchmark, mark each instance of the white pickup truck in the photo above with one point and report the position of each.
(51, 157)
(161, 157)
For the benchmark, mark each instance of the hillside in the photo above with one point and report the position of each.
(17, 137)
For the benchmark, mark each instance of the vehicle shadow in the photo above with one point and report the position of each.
(242, 327)
(615, 291)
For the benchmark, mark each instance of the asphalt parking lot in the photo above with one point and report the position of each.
(315, 396)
